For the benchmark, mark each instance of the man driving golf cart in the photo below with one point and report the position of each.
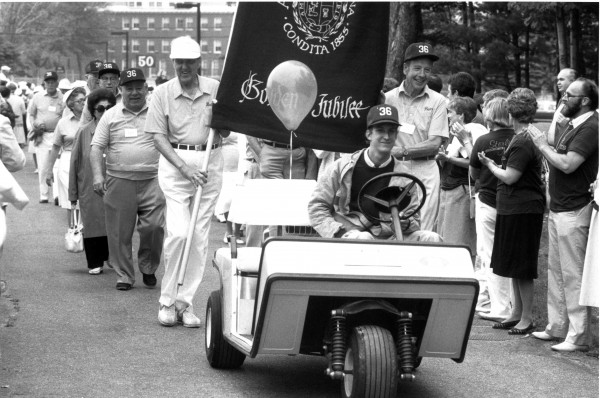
(353, 197)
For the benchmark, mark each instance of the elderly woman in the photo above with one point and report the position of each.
(520, 205)
(64, 135)
(81, 188)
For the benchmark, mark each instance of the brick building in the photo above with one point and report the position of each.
(141, 31)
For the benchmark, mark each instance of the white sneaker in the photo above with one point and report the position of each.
(569, 347)
(188, 318)
(542, 336)
(167, 315)
(96, 271)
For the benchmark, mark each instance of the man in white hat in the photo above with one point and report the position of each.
(179, 119)
(4, 71)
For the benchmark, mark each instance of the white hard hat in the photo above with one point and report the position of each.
(4, 67)
(184, 47)
(64, 84)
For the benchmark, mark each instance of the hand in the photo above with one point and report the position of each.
(442, 156)
(195, 176)
(49, 179)
(485, 160)
(356, 234)
(73, 205)
(538, 137)
(461, 133)
(99, 186)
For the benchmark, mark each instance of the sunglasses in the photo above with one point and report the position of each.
(102, 108)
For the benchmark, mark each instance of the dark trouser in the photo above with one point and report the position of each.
(96, 251)
(125, 202)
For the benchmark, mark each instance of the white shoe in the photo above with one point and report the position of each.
(542, 336)
(188, 318)
(569, 347)
(167, 315)
(96, 271)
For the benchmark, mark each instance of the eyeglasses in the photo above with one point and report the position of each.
(567, 95)
(102, 108)
(111, 79)
(80, 101)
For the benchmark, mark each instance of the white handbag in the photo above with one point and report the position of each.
(74, 236)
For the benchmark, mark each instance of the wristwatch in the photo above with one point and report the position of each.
(405, 152)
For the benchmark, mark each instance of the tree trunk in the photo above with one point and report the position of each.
(575, 42)
(561, 38)
(527, 39)
(406, 27)
(517, 60)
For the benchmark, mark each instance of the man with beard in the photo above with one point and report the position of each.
(131, 192)
(573, 166)
(424, 126)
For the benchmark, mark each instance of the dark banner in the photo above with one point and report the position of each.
(345, 46)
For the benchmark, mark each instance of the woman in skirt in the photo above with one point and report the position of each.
(520, 205)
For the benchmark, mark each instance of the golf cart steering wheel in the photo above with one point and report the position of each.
(391, 199)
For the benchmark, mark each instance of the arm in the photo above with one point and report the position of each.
(255, 147)
(11, 153)
(474, 172)
(320, 207)
(96, 162)
(73, 191)
(508, 176)
(162, 144)
(50, 163)
(567, 163)
(428, 147)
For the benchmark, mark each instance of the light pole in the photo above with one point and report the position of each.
(126, 34)
(198, 16)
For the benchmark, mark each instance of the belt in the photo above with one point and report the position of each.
(408, 157)
(278, 145)
(194, 147)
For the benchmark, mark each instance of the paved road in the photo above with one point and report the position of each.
(64, 333)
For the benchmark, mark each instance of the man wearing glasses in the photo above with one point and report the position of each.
(131, 192)
(573, 163)
(559, 122)
(108, 77)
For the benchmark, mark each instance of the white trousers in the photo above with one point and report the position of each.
(42, 152)
(429, 173)
(497, 287)
(179, 193)
(567, 240)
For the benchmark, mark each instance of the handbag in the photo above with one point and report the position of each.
(74, 236)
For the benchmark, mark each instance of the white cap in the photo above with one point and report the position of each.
(184, 47)
(78, 83)
(64, 84)
(4, 67)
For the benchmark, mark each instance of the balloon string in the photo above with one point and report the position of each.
(291, 150)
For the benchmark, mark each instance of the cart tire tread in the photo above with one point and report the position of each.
(219, 352)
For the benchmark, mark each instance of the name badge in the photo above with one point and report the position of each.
(51, 108)
(129, 133)
(407, 128)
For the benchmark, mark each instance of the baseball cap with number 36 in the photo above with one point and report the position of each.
(380, 114)
(131, 75)
(420, 50)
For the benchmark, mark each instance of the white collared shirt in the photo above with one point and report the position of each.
(370, 163)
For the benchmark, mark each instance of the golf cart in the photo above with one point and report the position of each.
(374, 308)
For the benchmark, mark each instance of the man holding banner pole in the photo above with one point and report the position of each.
(179, 119)
(424, 126)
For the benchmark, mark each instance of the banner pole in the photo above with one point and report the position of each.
(197, 196)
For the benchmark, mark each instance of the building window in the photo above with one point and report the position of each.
(204, 23)
(126, 24)
(124, 46)
(131, 4)
(150, 46)
(138, 4)
(215, 67)
(218, 23)
(151, 24)
(159, 4)
(135, 24)
(189, 23)
(203, 46)
(217, 47)
(123, 64)
(165, 23)
(135, 46)
(165, 46)
(151, 4)
(162, 65)
(179, 23)
(204, 67)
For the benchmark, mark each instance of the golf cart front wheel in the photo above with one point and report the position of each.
(219, 352)
(370, 366)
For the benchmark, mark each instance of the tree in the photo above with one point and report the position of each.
(406, 27)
